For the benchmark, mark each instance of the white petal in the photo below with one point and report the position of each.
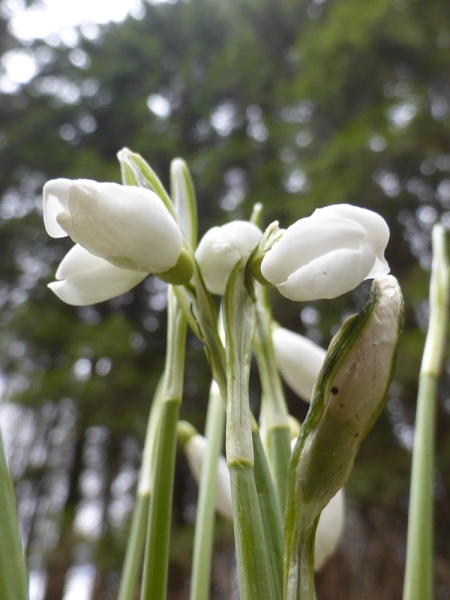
(329, 529)
(330, 275)
(221, 248)
(224, 503)
(307, 240)
(374, 224)
(85, 279)
(195, 449)
(56, 199)
(129, 226)
(78, 261)
(299, 360)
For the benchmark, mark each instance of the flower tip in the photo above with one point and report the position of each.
(389, 286)
(56, 196)
(123, 154)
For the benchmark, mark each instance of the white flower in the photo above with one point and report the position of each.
(328, 253)
(221, 248)
(128, 226)
(329, 529)
(299, 360)
(195, 449)
(123, 233)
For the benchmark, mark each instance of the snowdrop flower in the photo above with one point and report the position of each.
(299, 360)
(328, 254)
(123, 233)
(221, 248)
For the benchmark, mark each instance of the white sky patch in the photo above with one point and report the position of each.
(53, 16)
(80, 582)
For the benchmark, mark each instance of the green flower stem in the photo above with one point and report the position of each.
(254, 574)
(135, 548)
(136, 538)
(13, 572)
(154, 585)
(274, 409)
(200, 312)
(204, 527)
(419, 556)
(270, 514)
(305, 587)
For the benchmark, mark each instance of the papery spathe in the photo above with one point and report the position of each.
(221, 248)
(128, 226)
(298, 359)
(328, 254)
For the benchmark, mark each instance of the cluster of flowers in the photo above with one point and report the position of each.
(124, 233)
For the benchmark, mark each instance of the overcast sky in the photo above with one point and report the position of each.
(54, 21)
(54, 16)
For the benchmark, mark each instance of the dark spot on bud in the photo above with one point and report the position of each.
(356, 435)
(334, 390)
(357, 417)
(341, 405)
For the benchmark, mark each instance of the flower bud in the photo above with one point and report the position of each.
(328, 253)
(128, 226)
(299, 360)
(221, 248)
(350, 392)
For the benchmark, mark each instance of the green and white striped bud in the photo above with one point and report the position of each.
(349, 394)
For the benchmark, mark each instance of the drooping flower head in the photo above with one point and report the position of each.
(221, 248)
(123, 233)
(328, 254)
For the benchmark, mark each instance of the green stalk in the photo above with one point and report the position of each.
(419, 556)
(200, 311)
(13, 572)
(135, 548)
(270, 514)
(274, 409)
(306, 590)
(136, 538)
(154, 584)
(254, 574)
(204, 526)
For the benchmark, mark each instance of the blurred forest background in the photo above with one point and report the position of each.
(293, 103)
